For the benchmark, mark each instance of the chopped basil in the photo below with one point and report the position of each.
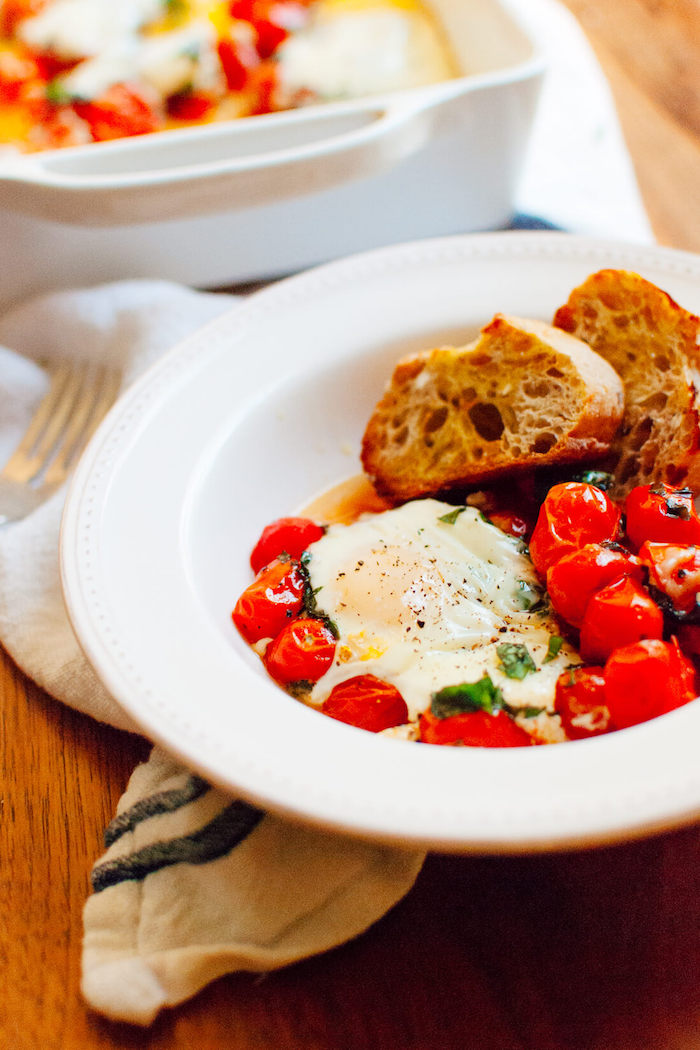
(554, 645)
(677, 504)
(310, 607)
(451, 517)
(299, 689)
(516, 660)
(528, 595)
(57, 94)
(601, 479)
(467, 697)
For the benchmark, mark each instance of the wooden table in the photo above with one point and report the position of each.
(583, 951)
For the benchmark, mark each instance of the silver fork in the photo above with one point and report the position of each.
(77, 399)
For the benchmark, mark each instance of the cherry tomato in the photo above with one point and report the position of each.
(572, 515)
(302, 652)
(573, 580)
(647, 679)
(366, 702)
(689, 638)
(662, 514)
(189, 106)
(674, 570)
(511, 522)
(473, 729)
(120, 111)
(619, 614)
(285, 536)
(237, 61)
(581, 702)
(270, 601)
(16, 69)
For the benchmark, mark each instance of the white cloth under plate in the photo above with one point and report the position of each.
(195, 884)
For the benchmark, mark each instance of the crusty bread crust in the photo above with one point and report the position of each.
(523, 395)
(652, 343)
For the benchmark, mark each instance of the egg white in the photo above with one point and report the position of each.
(422, 596)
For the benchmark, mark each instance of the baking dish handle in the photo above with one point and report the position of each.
(224, 167)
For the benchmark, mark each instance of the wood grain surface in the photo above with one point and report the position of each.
(595, 950)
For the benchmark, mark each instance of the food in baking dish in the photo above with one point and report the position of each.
(541, 609)
(77, 71)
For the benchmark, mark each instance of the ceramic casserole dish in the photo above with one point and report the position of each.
(258, 197)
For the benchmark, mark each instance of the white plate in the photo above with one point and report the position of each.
(246, 421)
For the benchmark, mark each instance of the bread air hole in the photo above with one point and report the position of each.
(537, 388)
(486, 420)
(655, 402)
(641, 432)
(555, 373)
(543, 443)
(435, 420)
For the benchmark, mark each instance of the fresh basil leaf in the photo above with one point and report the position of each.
(516, 660)
(467, 697)
(553, 646)
(451, 517)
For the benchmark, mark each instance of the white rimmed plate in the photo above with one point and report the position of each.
(247, 420)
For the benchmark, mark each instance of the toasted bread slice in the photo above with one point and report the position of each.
(523, 395)
(652, 343)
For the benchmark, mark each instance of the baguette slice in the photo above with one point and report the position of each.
(523, 395)
(652, 343)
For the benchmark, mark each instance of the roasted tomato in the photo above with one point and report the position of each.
(661, 514)
(238, 60)
(302, 652)
(189, 105)
(473, 729)
(581, 702)
(285, 536)
(510, 521)
(366, 702)
(574, 579)
(647, 679)
(276, 595)
(617, 615)
(675, 571)
(572, 515)
(121, 110)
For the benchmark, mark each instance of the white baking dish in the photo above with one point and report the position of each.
(254, 198)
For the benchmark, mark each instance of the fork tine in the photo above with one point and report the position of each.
(96, 396)
(22, 464)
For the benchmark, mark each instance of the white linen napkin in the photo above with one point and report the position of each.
(195, 884)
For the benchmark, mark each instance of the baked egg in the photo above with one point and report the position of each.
(429, 595)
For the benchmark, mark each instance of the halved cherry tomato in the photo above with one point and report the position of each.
(662, 514)
(473, 729)
(120, 111)
(617, 615)
(302, 652)
(572, 515)
(285, 536)
(366, 702)
(647, 679)
(269, 602)
(573, 580)
(674, 570)
(581, 702)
